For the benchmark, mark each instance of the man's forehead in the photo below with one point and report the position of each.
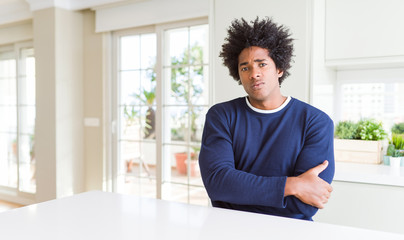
(255, 54)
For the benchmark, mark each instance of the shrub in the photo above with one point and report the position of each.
(369, 129)
(398, 128)
(346, 130)
(366, 129)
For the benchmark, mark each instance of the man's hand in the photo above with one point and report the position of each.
(309, 187)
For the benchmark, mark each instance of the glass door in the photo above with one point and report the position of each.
(136, 150)
(186, 100)
(162, 95)
(17, 122)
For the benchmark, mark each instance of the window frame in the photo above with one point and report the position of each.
(17, 48)
(115, 94)
(161, 30)
(111, 170)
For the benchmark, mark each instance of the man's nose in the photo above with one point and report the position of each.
(255, 73)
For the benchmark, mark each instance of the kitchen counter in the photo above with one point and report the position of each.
(369, 173)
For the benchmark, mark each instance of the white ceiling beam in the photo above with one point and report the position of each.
(14, 11)
(69, 4)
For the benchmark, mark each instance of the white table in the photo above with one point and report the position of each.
(100, 215)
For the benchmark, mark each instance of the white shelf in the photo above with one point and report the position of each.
(369, 173)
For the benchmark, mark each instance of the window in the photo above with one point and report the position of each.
(17, 108)
(371, 94)
(137, 112)
(161, 97)
(186, 99)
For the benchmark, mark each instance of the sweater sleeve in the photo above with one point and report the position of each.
(222, 180)
(318, 147)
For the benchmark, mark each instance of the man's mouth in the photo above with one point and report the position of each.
(257, 85)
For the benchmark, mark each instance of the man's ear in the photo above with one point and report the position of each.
(280, 73)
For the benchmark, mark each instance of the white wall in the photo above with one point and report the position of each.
(93, 104)
(45, 124)
(69, 101)
(322, 77)
(296, 15)
(58, 43)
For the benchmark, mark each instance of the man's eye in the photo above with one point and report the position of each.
(244, 69)
(263, 64)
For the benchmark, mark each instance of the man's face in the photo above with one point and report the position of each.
(259, 76)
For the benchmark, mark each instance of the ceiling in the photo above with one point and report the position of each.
(19, 10)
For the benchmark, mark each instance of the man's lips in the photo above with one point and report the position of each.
(257, 85)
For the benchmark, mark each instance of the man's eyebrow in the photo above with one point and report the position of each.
(255, 60)
(260, 60)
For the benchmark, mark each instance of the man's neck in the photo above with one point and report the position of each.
(270, 104)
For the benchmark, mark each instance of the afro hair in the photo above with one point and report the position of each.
(261, 33)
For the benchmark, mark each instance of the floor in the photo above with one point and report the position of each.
(4, 206)
(180, 187)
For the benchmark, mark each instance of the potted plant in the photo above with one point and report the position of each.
(397, 129)
(359, 142)
(186, 90)
(181, 159)
(194, 167)
(395, 150)
(147, 97)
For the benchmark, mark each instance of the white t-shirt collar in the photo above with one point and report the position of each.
(268, 111)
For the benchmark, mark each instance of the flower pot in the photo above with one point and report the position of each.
(180, 159)
(194, 168)
(386, 160)
(395, 162)
(181, 162)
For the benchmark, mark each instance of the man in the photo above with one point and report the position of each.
(265, 153)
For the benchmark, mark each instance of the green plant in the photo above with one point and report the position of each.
(398, 141)
(395, 152)
(370, 129)
(398, 153)
(366, 129)
(398, 128)
(130, 114)
(346, 130)
(396, 146)
(390, 150)
(195, 152)
(147, 97)
(186, 90)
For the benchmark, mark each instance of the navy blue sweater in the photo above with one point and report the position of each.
(246, 155)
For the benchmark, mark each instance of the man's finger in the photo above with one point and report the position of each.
(321, 167)
(329, 188)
